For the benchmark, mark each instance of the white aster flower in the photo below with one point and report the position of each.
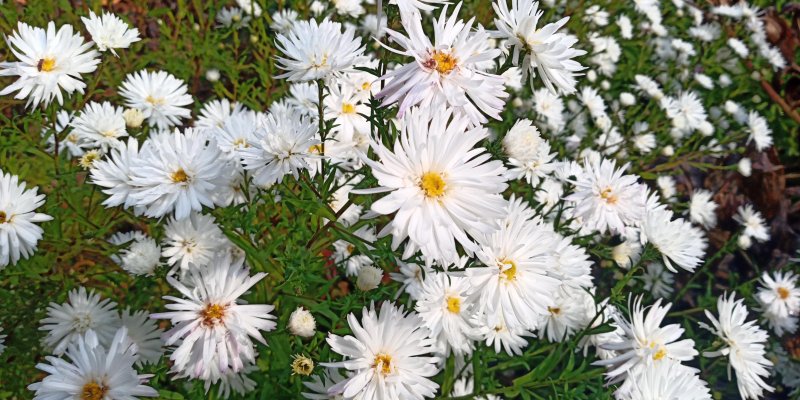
(744, 346)
(19, 233)
(216, 112)
(779, 298)
(285, 144)
(447, 311)
(83, 313)
(501, 336)
(233, 17)
(657, 280)
(445, 71)
(753, 222)
(95, 371)
(312, 51)
(388, 355)
(412, 276)
(606, 199)
(568, 311)
(760, 133)
(141, 257)
(646, 342)
(109, 32)
(441, 187)
(283, 20)
(160, 96)
(100, 125)
(192, 241)
(702, 209)
(145, 336)
(211, 321)
(543, 50)
(369, 278)
(677, 240)
(514, 282)
(176, 172)
(49, 61)
(410, 8)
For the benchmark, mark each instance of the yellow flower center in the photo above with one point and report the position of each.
(366, 86)
(453, 304)
(783, 293)
(212, 314)
(661, 353)
(155, 101)
(315, 149)
(383, 363)
(350, 248)
(608, 196)
(109, 134)
(443, 62)
(432, 184)
(323, 63)
(554, 310)
(179, 176)
(241, 143)
(46, 64)
(93, 391)
(510, 273)
(3, 217)
(348, 108)
(88, 159)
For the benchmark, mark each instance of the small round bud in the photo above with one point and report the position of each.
(745, 242)
(668, 151)
(627, 99)
(302, 365)
(133, 117)
(369, 277)
(212, 75)
(745, 167)
(302, 323)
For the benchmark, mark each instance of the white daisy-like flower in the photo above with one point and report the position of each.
(113, 173)
(753, 222)
(657, 280)
(19, 233)
(95, 371)
(283, 20)
(686, 112)
(101, 125)
(445, 71)
(702, 209)
(550, 107)
(302, 323)
(211, 321)
(568, 311)
(250, 6)
(412, 276)
(664, 381)
(447, 311)
(515, 281)
(501, 336)
(339, 199)
(71, 145)
(344, 251)
(160, 96)
(304, 97)
(109, 32)
(141, 257)
(760, 133)
(233, 17)
(529, 154)
(284, 145)
(442, 188)
(744, 346)
(542, 49)
(216, 112)
(779, 298)
(369, 278)
(646, 342)
(237, 132)
(83, 313)
(312, 50)
(388, 356)
(49, 61)
(606, 199)
(679, 242)
(192, 241)
(176, 172)
(144, 334)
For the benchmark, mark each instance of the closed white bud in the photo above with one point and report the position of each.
(668, 151)
(369, 277)
(133, 117)
(745, 167)
(212, 75)
(302, 323)
(745, 242)
(627, 99)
